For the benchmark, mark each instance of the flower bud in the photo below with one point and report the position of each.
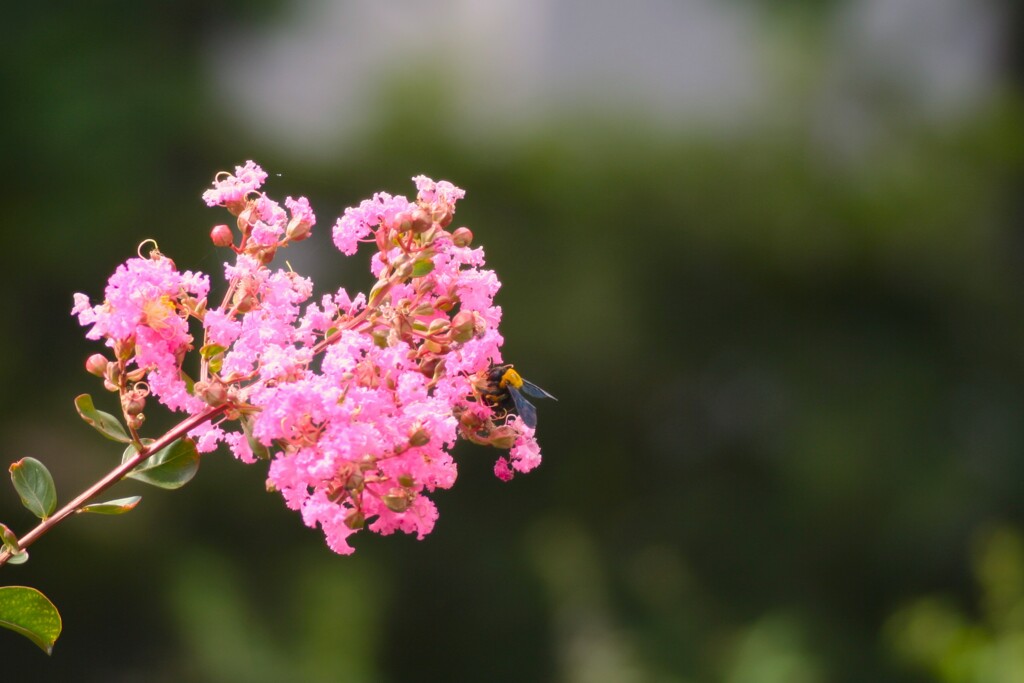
(421, 437)
(444, 303)
(420, 220)
(214, 393)
(355, 519)
(462, 237)
(436, 347)
(221, 236)
(134, 404)
(407, 481)
(397, 500)
(463, 325)
(437, 326)
(96, 364)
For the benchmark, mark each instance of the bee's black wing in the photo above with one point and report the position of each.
(532, 389)
(524, 408)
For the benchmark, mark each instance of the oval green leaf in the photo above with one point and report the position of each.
(35, 486)
(113, 507)
(20, 557)
(26, 611)
(104, 423)
(422, 267)
(170, 468)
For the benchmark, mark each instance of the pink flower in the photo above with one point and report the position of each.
(357, 223)
(232, 189)
(358, 400)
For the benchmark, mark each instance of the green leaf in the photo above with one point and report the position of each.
(35, 486)
(214, 354)
(26, 611)
(20, 557)
(211, 350)
(258, 449)
(170, 468)
(190, 384)
(113, 507)
(422, 267)
(105, 423)
(10, 542)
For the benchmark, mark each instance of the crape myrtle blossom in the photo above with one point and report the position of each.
(355, 400)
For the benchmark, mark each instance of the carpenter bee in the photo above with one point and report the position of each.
(504, 390)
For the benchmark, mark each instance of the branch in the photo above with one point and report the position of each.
(114, 476)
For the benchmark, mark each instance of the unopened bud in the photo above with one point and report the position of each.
(214, 393)
(436, 347)
(134, 405)
(397, 500)
(96, 364)
(462, 237)
(444, 303)
(463, 325)
(437, 326)
(221, 236)
(355, 519)
(420, 220)
(421, 437)
(407, 481)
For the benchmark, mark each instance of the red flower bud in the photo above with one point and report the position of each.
(462, 237)
(221, 236)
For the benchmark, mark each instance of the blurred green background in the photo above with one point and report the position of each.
(767, 255)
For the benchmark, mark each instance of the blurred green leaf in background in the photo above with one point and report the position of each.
(767, 255)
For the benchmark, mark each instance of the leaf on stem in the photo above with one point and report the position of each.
(104, 423)
(113, 507)
(26, 611)
(34, 484)
(422, 266)
(10, 544)
(258, 449)
(170, 468)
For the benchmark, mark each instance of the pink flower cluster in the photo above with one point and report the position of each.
(356, 401)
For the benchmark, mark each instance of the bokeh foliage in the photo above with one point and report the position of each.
(788, 445)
